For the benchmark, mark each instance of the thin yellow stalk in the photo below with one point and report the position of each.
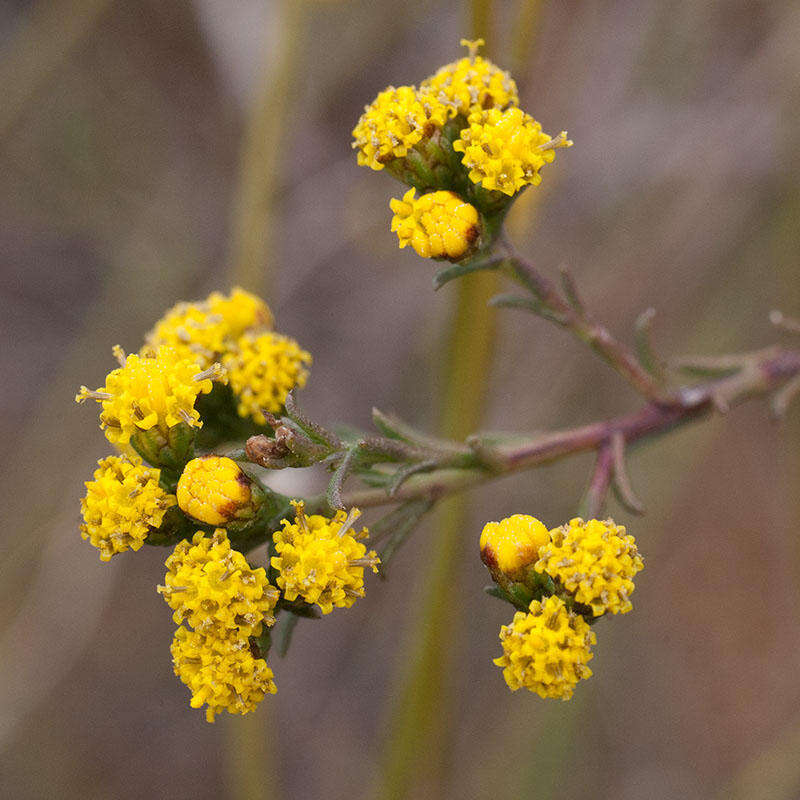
(251, 761)
(418, 751)
(253, 245)
(526, 26)
(480, 17)
(417, 748)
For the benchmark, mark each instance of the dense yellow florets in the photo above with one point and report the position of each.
(436, 225)
(513, 543)
(473, 82)
(263, 369)
(208, 329)
(321, 561)
(546, 650)
(123, 504)
(155, 390)
(504, 150)
(211, 586)
(394, 122)
(215, 490)
(595, 561)
(221, 671)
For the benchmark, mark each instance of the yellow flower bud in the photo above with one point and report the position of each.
(595, 562)
(123, 504)
(221, 671)
(205, 331)
(437, 224)
(215, 490)
(212, 587)
(504, 150)
(473, 82)
(546, 650)
(394, 122)
(151, 394)
(321, 561)
(263, 369)
(511, 545)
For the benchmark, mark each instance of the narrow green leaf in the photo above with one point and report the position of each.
(394, 528)
(644, 344)
(454, 271)
(334, 492)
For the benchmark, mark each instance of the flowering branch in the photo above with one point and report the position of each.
(215, 372)
(487, 457)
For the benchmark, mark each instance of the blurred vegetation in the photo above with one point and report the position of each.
(152, 152)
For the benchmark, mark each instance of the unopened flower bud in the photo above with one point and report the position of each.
(215, 490)
(510, 546)
(437, 225)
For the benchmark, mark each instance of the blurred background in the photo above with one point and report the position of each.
(153, 152)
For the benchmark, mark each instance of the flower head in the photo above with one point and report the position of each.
(546, 650)
(394, 122)
(206, 330)
(595, 561)
(512, 544)
(504, 150)
(473, 82)
(123, 504)
(263, 369)
(221, 671)
(153, 391)
(215, 490)
(211, 586)
(437, 224)
(320, 560)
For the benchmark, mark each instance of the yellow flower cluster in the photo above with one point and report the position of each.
(504, 150)
(221, 672)
(394, 122)
(595, 561)
(546, 650)
(320, 560)
(462, 131)
(208, 329)
(211, 586)
(437, 224)
(262, 370)
(122, 505)
(583, 569)
(215, 490)
(156, 390)
(473, 82)
(512, 544)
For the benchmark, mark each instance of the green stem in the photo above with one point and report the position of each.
(252, 761)
(253, 244)
(762, 373)
(417, 745)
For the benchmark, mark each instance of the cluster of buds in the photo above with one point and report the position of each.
(561, 581)
(211, 362)
(462, 142)
(215, 364)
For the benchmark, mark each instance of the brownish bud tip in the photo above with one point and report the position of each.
(267, 452)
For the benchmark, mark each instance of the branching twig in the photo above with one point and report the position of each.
(594, 499)
(569, 311)
(763, 373)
